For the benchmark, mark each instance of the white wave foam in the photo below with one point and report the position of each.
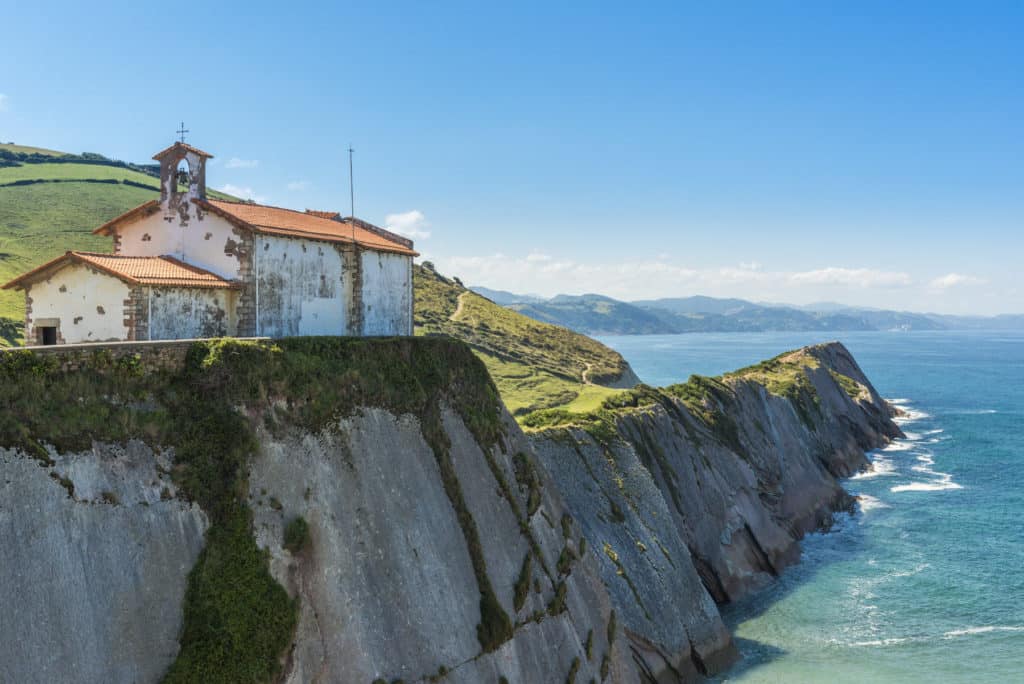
(898, 401)
(967, 631)
(909, 573)
(899, 445)
(880, 466)
(870, 503)
(941, 481)
(952, 634)
(944, 481)
(880, 642)
(926, 462)
(910, 415)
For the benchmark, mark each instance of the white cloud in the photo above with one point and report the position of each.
(296, 186)
(236, 163)
(243, 192)
(3, 102)
(538, 256)
(855, 277)
(954, 279)
(411, 224)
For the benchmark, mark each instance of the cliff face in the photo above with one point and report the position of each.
(95, 565)
(699, 493)
(366, 510)
(387, 583)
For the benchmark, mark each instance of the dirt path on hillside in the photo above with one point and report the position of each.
(458, 309)
(586, 371)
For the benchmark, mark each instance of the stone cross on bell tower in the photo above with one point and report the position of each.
(181, 165)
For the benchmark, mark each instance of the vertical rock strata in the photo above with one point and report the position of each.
(700, 493)
(419, 532)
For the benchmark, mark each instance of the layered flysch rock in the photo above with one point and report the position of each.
(441, 543)
(386, 585)
(699, 494)
(96, 552)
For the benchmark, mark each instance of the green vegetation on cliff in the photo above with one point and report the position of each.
(238, 621)
(535, 365)
(709, 400)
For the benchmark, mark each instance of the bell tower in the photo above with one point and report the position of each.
(182, 178)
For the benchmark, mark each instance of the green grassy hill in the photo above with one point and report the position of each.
(535, 365)
(26, 149)
(49, 208)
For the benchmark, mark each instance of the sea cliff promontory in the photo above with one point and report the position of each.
(341, 510)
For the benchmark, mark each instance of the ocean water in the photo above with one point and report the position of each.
(925, 583)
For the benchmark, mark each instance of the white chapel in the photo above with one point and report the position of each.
(188, 266)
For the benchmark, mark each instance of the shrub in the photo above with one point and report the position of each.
(296, 535)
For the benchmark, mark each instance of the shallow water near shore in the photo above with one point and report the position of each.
(925, 582)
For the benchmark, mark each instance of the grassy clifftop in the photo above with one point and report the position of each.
(535, 365)
(709, 398)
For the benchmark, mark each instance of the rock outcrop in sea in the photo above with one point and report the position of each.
(367, 511)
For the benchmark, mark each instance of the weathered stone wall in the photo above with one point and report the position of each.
(386, 293)
(189, 313)
(304, 288)
(201, 239)
(289, 286)
(173, 202)
(89, 305)
(245, 303)
(159, 355)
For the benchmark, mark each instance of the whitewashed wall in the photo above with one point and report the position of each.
(180, 313)
(95, 300)
(209, 243)
(303, 288)
(387, 294)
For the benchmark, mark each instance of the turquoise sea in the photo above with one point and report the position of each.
(925, 583)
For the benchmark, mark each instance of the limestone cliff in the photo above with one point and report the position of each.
(325, 510)
(697, 494)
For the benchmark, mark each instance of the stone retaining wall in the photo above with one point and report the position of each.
(156, 355)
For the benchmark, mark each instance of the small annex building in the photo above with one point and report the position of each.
(189, 266)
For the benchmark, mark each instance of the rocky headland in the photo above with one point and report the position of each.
(331, 510)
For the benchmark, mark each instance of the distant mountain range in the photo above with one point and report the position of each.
(594, 314)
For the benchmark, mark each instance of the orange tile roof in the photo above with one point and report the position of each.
(183, 146)
(145, 209)
(292, 223)
(135, 270)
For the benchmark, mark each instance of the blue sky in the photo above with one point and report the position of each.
(867, 153)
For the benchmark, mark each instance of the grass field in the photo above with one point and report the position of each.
(40, 222)
(59, 171)
(535, 365)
